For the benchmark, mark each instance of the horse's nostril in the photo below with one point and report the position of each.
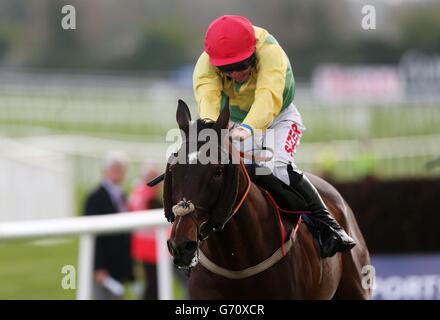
(171, 247)
(190, 247)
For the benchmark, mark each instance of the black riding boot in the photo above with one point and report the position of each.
(331, 236)
(287, 197)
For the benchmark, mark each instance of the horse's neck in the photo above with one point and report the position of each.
(249, 236)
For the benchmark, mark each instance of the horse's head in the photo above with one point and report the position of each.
(199, 195)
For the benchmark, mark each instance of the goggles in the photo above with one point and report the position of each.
(239, 66)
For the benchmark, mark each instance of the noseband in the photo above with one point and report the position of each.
(183, 208)
(186, 207)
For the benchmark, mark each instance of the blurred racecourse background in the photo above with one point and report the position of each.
(370, 100)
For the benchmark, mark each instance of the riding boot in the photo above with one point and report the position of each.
(287, 197)
(332, 238)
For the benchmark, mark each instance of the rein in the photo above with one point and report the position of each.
(267, 263)
(246, 192)
(275, 257)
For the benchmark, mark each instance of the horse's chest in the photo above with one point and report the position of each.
(267, 285)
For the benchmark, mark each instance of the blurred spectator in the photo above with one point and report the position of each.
(143, 243)
(143, 246)
(113, 265)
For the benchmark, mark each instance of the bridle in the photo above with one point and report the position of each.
(186, 207)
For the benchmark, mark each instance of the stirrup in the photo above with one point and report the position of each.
(326, 239)
(336, 243)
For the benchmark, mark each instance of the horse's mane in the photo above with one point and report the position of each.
(198, 126)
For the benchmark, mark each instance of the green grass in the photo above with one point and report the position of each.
(32, 270)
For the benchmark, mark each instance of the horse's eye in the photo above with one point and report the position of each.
(218, 172)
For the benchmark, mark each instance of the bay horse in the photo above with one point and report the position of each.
(229, 235)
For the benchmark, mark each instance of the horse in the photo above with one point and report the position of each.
(234, 242)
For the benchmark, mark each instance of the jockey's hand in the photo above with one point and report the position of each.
(240, 134)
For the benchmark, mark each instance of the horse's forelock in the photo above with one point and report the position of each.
(198, 126)
(205, 124)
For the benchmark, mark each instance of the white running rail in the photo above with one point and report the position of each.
(87, 227)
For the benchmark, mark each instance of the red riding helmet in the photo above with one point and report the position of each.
(229, 39)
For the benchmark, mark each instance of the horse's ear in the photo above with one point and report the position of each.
(183, 116)
(223, 119)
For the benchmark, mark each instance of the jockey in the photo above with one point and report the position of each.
(246, 64)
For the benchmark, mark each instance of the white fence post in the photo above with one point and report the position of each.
(164, 271)
(85, 263)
